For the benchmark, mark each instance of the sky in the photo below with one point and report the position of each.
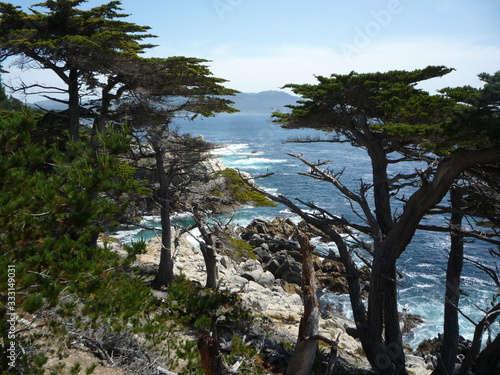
(260, 45)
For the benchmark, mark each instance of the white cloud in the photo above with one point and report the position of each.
(271, 69)
(299, 64)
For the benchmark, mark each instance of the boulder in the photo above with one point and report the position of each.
(330, 270)
(263, 254)
(256, 240)
(338, 285)
(235, 283)
(292, 288)
(273, 265)
(283, 227)
(434, 346)
(278, 227)
(410, 321)
(332, 266)
(267, 279)
(290, 271)
(416, 365)
(251, 270)
(227, 263)
(284, 267)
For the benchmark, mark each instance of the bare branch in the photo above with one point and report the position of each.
(490, 237)
(488, 270)
(314, 140)
(359, 199)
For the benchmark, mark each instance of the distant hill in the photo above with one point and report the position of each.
(49, 105)
(264, 102)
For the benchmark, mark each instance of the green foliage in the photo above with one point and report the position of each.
(89, 36)
(133, 249)
(75, 369)
(62, 196)
(242, 351)
(203, 308)
(212, 311)
(117, 295)
(8, 103)
(32, 303)
(395, 110)
(242, 192)
(188, 351)
(240, 250)
(89, 370)
(53, 205)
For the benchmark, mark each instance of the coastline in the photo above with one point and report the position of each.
(272, 298)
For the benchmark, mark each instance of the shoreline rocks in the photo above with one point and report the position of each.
(271, 288)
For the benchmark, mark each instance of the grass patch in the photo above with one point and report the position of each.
(242, 192)
(240, 250)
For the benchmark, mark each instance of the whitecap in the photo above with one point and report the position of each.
(231, 149)
(147, 218)
(250, 161)
(269, 190)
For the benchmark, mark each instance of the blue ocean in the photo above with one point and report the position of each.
(252, 143)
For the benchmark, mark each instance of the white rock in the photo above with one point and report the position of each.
(417, 365)
(267, 279)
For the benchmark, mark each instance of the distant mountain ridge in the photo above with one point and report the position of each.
(264, 102)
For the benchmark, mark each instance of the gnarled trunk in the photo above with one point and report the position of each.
(165, 274)
(73, 106)
(209, 255)
(448, 357)
(207, 247)
(304, 353)
(209, 348)
(488, 361)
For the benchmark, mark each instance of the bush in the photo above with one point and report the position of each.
(203, 307)
(33, 303)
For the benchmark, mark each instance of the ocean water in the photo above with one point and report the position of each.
(253, 144)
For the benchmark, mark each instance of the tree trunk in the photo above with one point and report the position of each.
(209, 348)
(209, 255)
(393, 346)
(473, 352)
(382, 310)
(385, 355)
(304, 353)
(73, 106)
(383, 342)
(165, 274)
(207, 247)
(448, 357)
(488, 362)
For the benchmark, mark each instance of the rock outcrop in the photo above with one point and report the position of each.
(279, 254)
(255, 281)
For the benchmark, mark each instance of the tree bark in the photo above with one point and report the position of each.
(165, 274)
(304, 353)
(382, 311)
(209, 255)
(209, 348)
(73, 106)
(448, 357)
(488, 361)
(207, 247)
(473, 352)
